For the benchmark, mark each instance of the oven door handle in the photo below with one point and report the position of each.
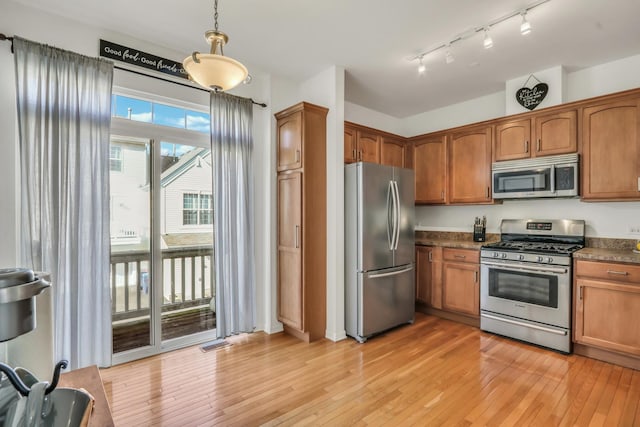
(557, 270)
(527, 325)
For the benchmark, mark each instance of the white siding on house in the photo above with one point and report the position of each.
(195, 179)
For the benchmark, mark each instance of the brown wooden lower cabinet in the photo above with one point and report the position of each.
(461, 281)
(429, 275)
(607, 306)
(447, 279)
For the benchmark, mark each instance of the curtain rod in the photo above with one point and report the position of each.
(7, 38)
(261, 104)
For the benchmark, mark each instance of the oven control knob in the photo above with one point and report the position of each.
(549, 259)
(504, 255)
(539, 259)
(520, 257)
(496, 254)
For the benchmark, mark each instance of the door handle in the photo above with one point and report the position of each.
(476, 277)
(488, 191)
(297, 156)
(355, 155)
(430, 256)
(297, 239)
(397, 215)
(391, 273)
(619, 273)
(390, 213)
(580, 289)
(526, 146)
(538, 146)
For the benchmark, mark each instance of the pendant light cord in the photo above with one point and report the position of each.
(215, 14)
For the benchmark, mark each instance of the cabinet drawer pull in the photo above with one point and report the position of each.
(619, 273)
(460, 256)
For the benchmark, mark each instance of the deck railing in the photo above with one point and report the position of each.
(187, 281)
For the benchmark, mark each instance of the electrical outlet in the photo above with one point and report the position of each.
(634, 229)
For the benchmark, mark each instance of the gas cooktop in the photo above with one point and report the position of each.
(534, 247)
(548, 237)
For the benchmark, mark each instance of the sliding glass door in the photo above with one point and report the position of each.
(162, 285)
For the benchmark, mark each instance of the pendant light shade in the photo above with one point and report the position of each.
(215, 71)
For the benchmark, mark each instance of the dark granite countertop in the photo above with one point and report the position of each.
(458, 240)
(608, 254)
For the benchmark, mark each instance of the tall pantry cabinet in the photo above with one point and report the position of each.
(302, 220)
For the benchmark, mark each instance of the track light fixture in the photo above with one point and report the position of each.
(525, 26)
(421, 67)
(448, 57)
(487, 42)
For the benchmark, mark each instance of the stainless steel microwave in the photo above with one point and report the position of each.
(551, 176)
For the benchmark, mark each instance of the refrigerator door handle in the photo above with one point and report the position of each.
(390, 213)
(390, 273)
(397, 216)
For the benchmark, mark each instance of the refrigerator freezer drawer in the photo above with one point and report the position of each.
(382, 299)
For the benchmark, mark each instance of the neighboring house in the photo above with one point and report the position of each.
(186, 205)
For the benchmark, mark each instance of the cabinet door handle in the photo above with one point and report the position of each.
(538, 145)
(476, 277)
(488, 192)
(639, 183)
(460, 256)
(619, 273)
(580, 289)
(442, 192)
(430, 256)
(297, 239)
(355, 155)
(360, 155)
(526, 146)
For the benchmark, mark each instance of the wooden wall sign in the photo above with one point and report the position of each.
(142, 59)
(530, 98)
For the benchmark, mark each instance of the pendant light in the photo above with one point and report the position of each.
(215, 71)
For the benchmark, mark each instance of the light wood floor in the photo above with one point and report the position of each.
(434, 372)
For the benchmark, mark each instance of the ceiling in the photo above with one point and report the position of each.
(373, 40)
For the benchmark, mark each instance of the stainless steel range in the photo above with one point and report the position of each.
(525, 282)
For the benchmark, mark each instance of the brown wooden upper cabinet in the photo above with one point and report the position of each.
(540, 135)
(611, 150)
(361, 145)
(469, 154)
(393, 152)
(290, 142)
(430, 165)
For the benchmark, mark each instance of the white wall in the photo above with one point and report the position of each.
(364, 116)
(611, 219)
(327, 89)
(472, 111)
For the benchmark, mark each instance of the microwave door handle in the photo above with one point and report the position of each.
(553, 178)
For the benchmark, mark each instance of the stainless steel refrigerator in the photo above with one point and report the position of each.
(379, 248)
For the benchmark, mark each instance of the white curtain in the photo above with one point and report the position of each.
(232, 146)
(64, 103)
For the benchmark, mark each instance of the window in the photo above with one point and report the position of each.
(115, 158)
(140, 110)
(196, 209)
